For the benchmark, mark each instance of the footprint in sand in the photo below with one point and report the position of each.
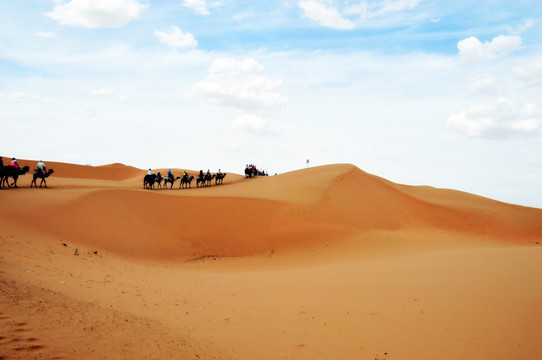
(12, 342)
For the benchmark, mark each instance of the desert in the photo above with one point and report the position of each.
(327, 262)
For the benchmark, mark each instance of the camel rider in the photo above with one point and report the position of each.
(170, 174)
(41, 166)
(208, 172)
(218, 173)
(201, 174)
(150, 172)
(14, 163)
(159, 175)
(185, 175)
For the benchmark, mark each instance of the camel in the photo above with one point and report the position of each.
(186, 181)
(208, 179)
(39, 174)
(205, 181)
(148, 181)
(158, 181)
(13, 172)
(250, 172)
(219, 178)
(167, 180)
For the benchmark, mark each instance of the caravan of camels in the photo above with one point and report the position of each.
(150, 180)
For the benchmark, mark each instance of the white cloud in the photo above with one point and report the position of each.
(101, 92)
(375, 9)
(348, 14)
(472, 50)
(242, 16)
(521, 28)
(46, 35)
(238, 84)
(21, 96)
(500, 120)
(482, 86)
(325, 14)
(176, 38)
(398, 5)
(97, 13)
(530, 74)
(199, 6)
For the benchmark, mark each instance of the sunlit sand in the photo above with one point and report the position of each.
(327, 262)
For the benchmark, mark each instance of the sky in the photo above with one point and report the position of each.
(421, 92)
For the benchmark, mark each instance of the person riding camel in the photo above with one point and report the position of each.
(201, 174)
(14, 163)
(159, 176)
(208, 172)
(185, 175)
(218, 173)
(41, 166)
(170, 174)
(150, 172)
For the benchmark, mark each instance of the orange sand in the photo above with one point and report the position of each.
(324, 263)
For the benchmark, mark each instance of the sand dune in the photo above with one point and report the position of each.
(323, 263)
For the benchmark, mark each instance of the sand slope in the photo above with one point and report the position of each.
(322, 263)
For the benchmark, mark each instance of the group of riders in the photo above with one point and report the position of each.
(13, 170)
(251, 170)
(186, 181)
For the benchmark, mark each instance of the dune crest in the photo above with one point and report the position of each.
(115, 171)
(369, 202)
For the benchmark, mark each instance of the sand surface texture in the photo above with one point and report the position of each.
(323, 263)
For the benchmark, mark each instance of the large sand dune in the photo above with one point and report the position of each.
(323, 263)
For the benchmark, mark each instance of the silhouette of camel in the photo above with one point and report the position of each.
(186, 181)
(205, 181)
(249, 172)
(219, 178)
(167, 180)
(158, 181)
(39, 174)
(148, 181)
(208, 179)
(13, 172)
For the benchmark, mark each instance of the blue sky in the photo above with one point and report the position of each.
(421, 92)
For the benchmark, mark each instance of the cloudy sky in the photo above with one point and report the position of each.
(421, 92)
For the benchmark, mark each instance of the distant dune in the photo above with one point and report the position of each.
(268, 268)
